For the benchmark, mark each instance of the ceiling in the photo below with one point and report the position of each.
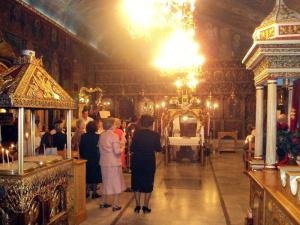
(98, 21)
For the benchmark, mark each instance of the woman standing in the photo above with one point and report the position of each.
(118, 131)
(88, 149)
(145, 143)
(76, 137)
(113, 180)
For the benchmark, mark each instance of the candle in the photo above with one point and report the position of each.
(7, 156)
(3, 156)
(44, 149)
(28, 144)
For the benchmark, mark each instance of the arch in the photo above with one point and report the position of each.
(35, 213)
(169, 116)
(58, 201)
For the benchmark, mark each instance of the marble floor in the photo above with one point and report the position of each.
(186, 194)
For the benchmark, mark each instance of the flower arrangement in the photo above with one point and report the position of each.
(288, 144)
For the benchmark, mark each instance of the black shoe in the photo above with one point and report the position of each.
(137, 209)
(95, 196)
(116, 208)
(87, 195)
(104, 206)
(146, 210)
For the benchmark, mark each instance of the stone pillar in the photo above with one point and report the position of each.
(259, 123)
(271, 124)
(291, 87)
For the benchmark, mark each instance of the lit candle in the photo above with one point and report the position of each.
(44, 149)
(12, 152)
(28, 147)
(7, 156)
(2, 156)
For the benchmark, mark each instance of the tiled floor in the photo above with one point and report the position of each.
(234, 185)
(186, 194)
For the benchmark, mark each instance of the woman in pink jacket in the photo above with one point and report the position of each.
(112, 176)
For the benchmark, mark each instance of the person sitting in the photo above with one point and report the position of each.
(88, 150)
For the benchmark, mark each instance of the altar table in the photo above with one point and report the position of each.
(181, 141)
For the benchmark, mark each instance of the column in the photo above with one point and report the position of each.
(290, 99)
(21, 122)
(271, 124)
(259, 122)
(69, 134)
(31, 151)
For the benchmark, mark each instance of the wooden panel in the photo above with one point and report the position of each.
(79, 192)
(273, 206)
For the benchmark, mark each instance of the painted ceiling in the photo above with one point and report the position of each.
(227, 24)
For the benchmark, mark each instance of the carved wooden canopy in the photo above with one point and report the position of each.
(28, 85)
(276, 54)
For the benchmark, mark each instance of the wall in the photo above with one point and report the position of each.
(230, 83)
(65, 57)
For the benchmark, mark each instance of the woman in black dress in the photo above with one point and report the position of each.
(145, 143)
(88, 150)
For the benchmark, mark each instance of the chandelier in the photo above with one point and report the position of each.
(178, 54)
(170, 21)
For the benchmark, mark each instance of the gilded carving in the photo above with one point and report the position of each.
(42, 91)
(282, 61)
(280, 14)
(289, 29)
(20, 191)
(275, 214)
(267, 33)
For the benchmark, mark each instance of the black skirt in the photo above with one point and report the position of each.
(93, 173)
(142, 174)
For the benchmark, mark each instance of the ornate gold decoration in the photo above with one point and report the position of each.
(267, 33)
(28, 85)
(85, 94)
(275, 214)
(281, 23)
(289, 29)
(280, 14)
(20, 191)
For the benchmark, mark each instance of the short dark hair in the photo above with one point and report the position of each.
(85, 110)
(58, 122)
(91, 127)
(146, 120)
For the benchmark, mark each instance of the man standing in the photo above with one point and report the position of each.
(85, 116)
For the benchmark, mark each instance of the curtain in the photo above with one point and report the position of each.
(295, 111)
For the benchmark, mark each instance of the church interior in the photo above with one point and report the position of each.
(219, 82)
